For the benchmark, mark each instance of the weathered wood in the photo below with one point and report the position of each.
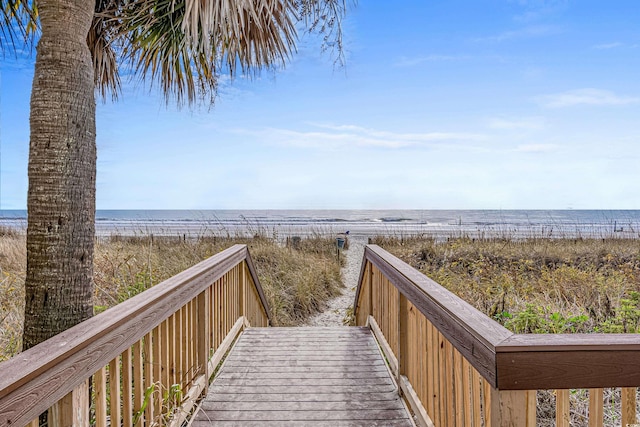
(300, 397)
(127, 387)
(305, 389)
(515, 409)
(309, 423)
(323, 370)
(308, 405)
(72, 410)
(317, 382)
(596, 407)
(319, 374)
(563, 418)
(114, 391)
(333, 384)
(384, 345)
(277, 415)
(420, 413)
(628, 397)
(100, 384)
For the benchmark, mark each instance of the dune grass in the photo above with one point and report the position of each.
(539, 286)
(536, 285)
(297, 281)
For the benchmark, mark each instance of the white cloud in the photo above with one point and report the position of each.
(536, 148)
(527, 123)
(340, 136)
(526, 32)
(608, 45)
(585, 97)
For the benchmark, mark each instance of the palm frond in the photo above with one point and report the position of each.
(185, 44)
(102, 39)
(325, 18)
(18, 19)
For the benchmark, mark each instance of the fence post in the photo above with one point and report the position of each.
(203, 345)
(370, 313)
(512, 408)
(403, 320)
(73, 409)
(242, 288)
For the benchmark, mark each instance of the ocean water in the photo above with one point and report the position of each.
(439, 223)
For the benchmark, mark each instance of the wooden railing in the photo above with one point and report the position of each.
(143, 362)
(458, 367)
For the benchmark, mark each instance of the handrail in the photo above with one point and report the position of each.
(36, 379)
(506, 361)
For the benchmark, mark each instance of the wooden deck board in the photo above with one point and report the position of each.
(303, 377)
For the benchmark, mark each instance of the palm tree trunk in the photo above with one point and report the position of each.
(62, 171)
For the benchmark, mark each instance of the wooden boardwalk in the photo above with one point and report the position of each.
(304, 377)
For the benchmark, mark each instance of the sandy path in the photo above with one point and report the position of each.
(337, 308)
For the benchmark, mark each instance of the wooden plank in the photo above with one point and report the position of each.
(310, 423)
(286, 374)
(171, 361)
(384, 345)
(458, 397)
(628, 397)
(540, 370)
(156, 403)
(420, 413)
(309, 405)
(72, 410)
(563, 418)
(403, 326)
(224, 347)
(467, 393)
(149, 379)
(138, 381)
(293, 363)
(476, 397)
(301, 389)
(302, 382)
(276, 415)
(273, 385)
(300, 358)
(328, 350)
(322, 370)
(127, 387)
(114, 391)
(515, 409)
(100, 384)
(320, 343)
(596, 407)
(299, 397)
(203, 345)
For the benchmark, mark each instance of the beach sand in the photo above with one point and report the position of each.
(337, 308)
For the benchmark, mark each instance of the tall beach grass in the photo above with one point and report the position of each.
(297, 281)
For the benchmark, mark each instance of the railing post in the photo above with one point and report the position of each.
(203, 346)
(370, 312)
(403, 321)
(512, 408)
(242, 288)
(71, 410)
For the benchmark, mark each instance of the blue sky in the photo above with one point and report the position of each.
(503, 104)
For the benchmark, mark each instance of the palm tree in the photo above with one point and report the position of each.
(181, 45)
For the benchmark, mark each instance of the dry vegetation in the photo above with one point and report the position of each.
(297, 282)
(540, 286)
(536, 285)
